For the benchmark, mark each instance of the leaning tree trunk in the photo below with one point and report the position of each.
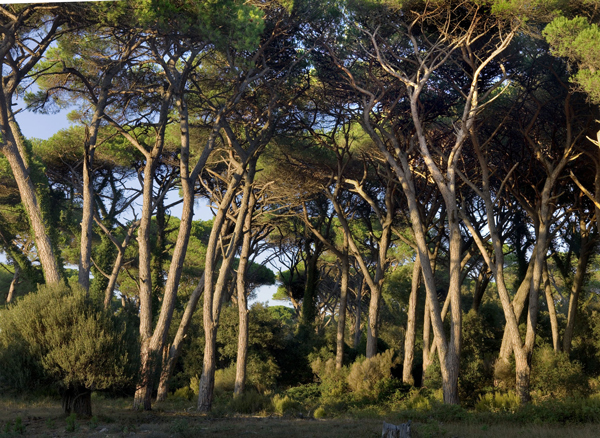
(13, 284)
(213, 295)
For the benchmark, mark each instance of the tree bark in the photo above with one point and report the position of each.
(551, 309)
(77, 400)
(175, 348)
(411, 324)
(357, 321)
(341, 323)
(242, 350)
(582, 264)
(213, 295)
(13, 284)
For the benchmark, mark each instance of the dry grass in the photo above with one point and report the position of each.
(115, 418)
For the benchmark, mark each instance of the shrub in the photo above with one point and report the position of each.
(320, 412)
(417, 401)
(284, 404)
(554, 375)
(225, 379)
(332, 381)
(250, 402)
(366, 373)
(498, 402)
(70, 341)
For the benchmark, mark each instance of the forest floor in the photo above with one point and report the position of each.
(115, 418)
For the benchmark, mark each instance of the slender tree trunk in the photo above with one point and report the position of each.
(242, 350)
(483, 279)
(551, 309)
(13, 283)
(213, 297)
(426, 337)
(114, 275)
(409, 338)
(341, 326)
(28, 195)
(175, 348)
(582, 263)
(518, 304)
(310, 288)
(143, 393)
(87, 220)
(357, 321)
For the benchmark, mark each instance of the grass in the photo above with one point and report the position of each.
(178, 418)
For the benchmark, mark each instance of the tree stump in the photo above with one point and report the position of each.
(392, 431)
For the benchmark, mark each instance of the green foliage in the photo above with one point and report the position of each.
(320, 413)
(578, 40)
(72, 425)
(72, 342)
(498, 402)
(476, 359)
(333, 381)
(554, 375)
(366, 373)
(251, 402)
(285, 404)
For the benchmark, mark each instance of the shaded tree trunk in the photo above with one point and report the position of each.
(582, 264)
(341, 326)
(411, 324)
(77, 400)
(551, 309)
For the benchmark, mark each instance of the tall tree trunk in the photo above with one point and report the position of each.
(43, 243)
(357, 321)
(242, 350)
(341, 326)
(175, 348)
(213, 296)
(582, 264)
(411, 324)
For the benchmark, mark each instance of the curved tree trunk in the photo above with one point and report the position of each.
(213, 295)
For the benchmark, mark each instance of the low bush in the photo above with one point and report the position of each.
(498, 402)
(251, 402)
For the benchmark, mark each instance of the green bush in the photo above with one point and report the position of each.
(284, 404)
(366, 373)
(251, 402)
(225, 379)
(498, 402)
(332, 381)
(553, 375)
(68, 340)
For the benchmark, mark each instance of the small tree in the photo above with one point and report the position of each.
(59, 336)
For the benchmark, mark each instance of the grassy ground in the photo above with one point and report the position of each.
(114, 418)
